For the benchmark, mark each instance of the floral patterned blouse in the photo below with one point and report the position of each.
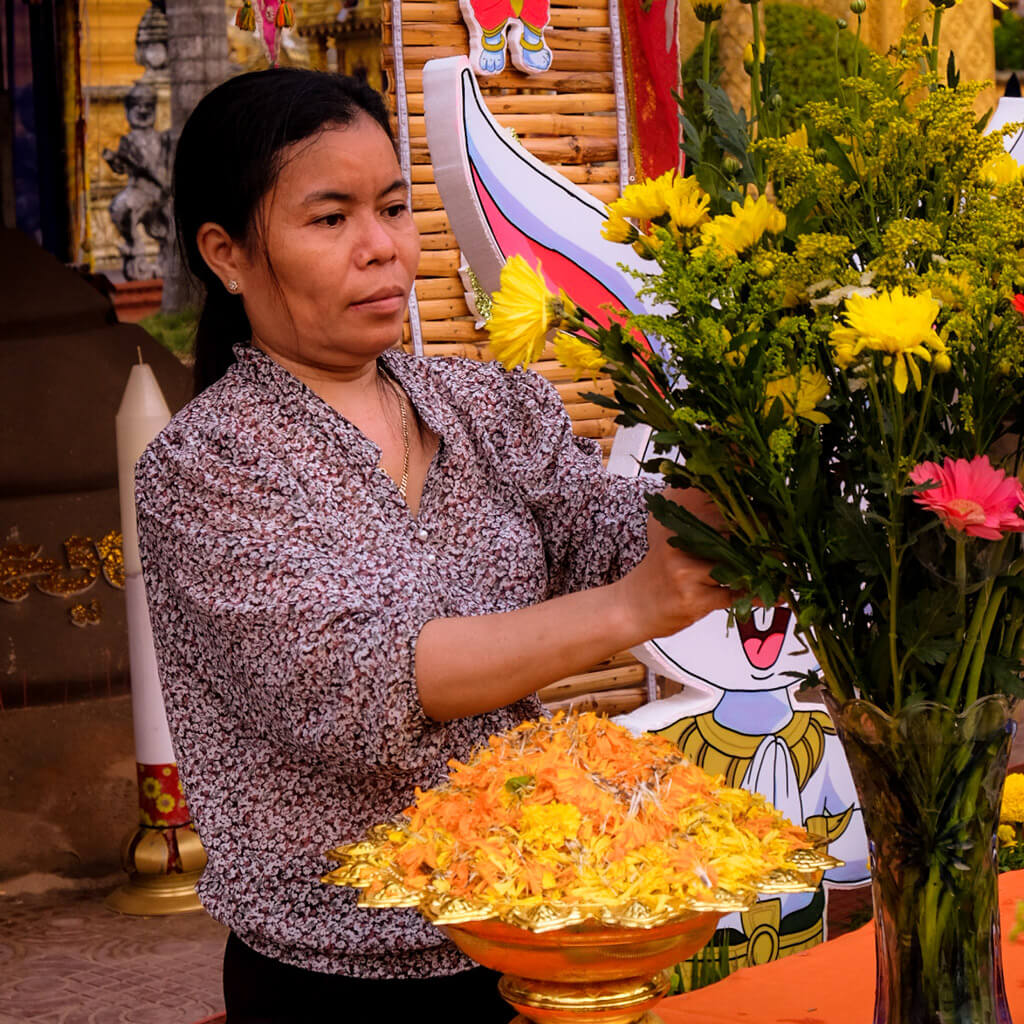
(287, 584)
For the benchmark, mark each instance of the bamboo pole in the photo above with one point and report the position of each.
(425, 197)
(593, 428)
(431, 220)
(438, 288)
(443, 309)
(593, 682)
(441, 349)
(548, 81)
(599, 125)
(536, 103)
(440, 263)
(438, 240)
(611, 702)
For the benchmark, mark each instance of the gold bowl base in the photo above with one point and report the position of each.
(647, 1018)
(584, 974)
(625, 1001)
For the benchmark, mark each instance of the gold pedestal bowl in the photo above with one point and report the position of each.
(586, 974)
(579, 964)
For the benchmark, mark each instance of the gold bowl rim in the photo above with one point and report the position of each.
(359, 868)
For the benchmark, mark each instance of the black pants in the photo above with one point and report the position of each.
(258, 990)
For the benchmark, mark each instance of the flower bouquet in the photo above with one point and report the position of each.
(837, 360)
(582, 861)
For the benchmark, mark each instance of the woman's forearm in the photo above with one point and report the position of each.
(465, 666)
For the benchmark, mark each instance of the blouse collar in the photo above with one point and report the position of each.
(267, 373)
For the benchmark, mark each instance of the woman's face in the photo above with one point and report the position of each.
(344, 250)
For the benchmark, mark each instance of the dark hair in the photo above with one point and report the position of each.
(229, 157)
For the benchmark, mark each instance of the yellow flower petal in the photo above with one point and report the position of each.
(580, 356)
(523, 311)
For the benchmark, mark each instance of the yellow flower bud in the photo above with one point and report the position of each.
(748, 57)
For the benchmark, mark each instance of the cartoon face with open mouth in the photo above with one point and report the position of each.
(746, 656)
(762, 643)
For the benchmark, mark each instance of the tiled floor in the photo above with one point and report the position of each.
(66, 959)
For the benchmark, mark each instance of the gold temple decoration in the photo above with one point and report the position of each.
(23, 566)
(86, 614)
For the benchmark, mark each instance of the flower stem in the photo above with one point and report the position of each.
(755, 71)
(981, 646)
(933, 57)
(706, 55)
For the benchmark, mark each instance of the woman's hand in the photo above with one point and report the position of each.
(670, 590)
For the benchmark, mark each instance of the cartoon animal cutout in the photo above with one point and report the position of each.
(515, 26)
(736, 716)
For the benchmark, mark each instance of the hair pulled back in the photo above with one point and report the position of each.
(229, 157)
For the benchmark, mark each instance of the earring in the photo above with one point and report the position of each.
(232, 286)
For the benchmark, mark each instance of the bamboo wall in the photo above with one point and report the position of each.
(565, 117)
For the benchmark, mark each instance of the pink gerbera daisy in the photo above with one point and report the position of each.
(971, 497)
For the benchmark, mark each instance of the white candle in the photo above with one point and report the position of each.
(143, 413)
(149, 718)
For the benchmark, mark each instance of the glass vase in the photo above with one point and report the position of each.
(930, 783)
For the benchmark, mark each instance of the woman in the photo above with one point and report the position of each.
(359, 564)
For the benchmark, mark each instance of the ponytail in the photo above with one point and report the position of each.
(222, 324)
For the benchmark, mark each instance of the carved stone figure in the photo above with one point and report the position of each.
(143, 205)
(151, 43)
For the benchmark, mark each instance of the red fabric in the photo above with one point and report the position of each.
(491, 14)
(651, 56)
(830, 984)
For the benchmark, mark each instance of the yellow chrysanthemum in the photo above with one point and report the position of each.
(523, 311)
(799, 395)
(1007, 835)
(743, 228)
(669, 200)
(999, 170)
(688, 206)
(900, 326)
(1013, 799)
(797, 139)
(582, 358)
(550, 824)
(646, 200)
(617, 229)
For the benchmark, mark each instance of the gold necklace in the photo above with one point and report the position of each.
(405, 439)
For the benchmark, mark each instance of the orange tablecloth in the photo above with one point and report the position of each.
(831, 984)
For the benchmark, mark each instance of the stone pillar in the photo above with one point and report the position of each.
(198, 51)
